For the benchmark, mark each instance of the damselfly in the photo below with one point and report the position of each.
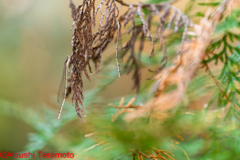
(62, 92)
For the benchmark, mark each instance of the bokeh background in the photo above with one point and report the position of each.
(35, 39)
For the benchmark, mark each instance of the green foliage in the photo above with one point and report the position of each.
(225, 51)
(200, 14)
(155, 1)
(209, 4)
(200, 134)
(230, 22)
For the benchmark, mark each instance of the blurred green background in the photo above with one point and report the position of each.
(35, 39)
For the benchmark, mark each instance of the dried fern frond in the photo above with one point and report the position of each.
(82, 42)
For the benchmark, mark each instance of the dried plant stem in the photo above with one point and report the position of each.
(118, 33)
(98, 144)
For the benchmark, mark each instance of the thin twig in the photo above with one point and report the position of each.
(118, 33)
(218, 84)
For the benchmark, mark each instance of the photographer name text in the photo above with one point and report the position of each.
(39, 154)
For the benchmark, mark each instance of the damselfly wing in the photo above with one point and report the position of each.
(63, 86)
(61, 90)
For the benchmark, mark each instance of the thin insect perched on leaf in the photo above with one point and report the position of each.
(62, 92)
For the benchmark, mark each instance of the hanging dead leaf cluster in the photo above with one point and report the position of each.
(88, 46)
